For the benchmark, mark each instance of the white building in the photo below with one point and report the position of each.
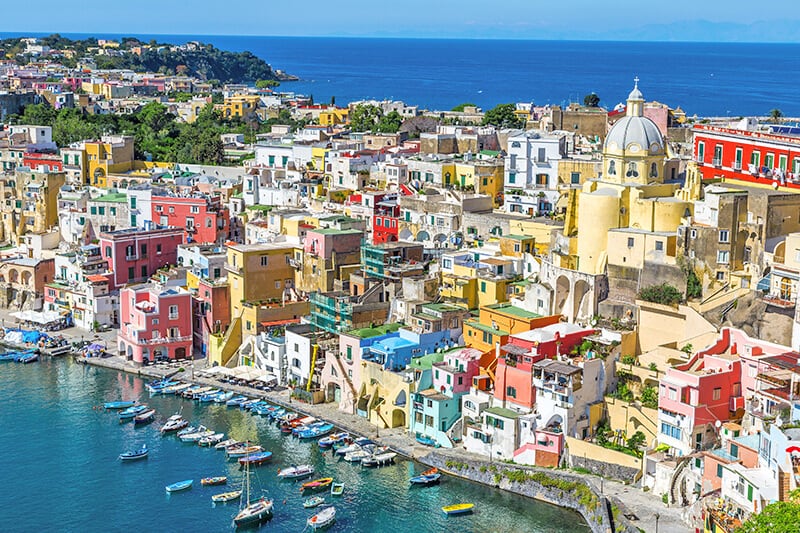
(532, 170)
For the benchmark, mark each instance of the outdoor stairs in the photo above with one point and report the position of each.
(343, 370)
(676, 488)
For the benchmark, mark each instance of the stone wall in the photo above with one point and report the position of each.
(558, 488)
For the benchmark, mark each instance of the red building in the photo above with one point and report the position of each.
(514, 374)
(35, 160)
(212, 311)
(202, 218)
(744, 155)
(134, 254)
(386, 221)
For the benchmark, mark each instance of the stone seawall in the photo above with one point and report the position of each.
(557, 488)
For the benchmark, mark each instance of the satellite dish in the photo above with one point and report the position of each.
(718, 424)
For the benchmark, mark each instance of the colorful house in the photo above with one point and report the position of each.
(496, 322)
(135, 254)
(156, 323)
(203, 218)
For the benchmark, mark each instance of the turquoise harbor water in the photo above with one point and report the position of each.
(61, 472)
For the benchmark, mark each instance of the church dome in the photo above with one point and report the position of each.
(635, 132)
(632, 133)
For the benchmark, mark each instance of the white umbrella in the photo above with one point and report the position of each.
(247, 373)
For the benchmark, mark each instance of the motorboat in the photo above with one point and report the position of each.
(296, 472)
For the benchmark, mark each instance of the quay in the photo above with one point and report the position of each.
(616, 502)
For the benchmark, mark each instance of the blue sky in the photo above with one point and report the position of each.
(774, 20)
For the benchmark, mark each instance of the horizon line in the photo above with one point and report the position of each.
(14, 34)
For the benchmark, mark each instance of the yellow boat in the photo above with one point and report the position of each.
(458, 508)
(226, 496)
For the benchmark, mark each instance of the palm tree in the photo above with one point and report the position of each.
(775, 115)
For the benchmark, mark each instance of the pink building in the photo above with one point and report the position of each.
(212, 311)
(134, 254)
(694, 396)
(326, 242)
(156, 323)
(453, 376)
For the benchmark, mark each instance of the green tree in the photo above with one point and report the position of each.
(460, 107)
(591, 100)
(503, 116)
(390, 123)
(635, 441)
(650, 397)
(775, 115)
(364, 117)
(37, 115)
(778, 517)
(266, 84)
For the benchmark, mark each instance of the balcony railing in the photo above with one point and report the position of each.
(165, 340)
(782, 301)
(717, 162)
(131, 257)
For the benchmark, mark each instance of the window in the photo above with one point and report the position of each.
(108, 251)
(133, 202)
(349, 353)
(720, 275)
(487, 337)
(701, 151)
(511, 391)
(653, 170)
(735, 450)
(717, 393)
(143, 270)
(171, 209)
(633, 170)
(143, 249)
(195, 209)
(159, 209)
(575, 178)
(264, 260)
(750, 493)
(512, 177)
(483, 286)
(449, 379)
(719, 470)
(131, 272)
(755, 159)
(717, 154)
(671, 431)
(209, 223)
(659, 246)
(612, 168)
(723, 257)
(737, 162)
(173, 312)
(724, 236)
(278, 284)
(673, 394)
(769, 161)
(630, 242)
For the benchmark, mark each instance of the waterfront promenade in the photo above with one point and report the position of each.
(631, 500)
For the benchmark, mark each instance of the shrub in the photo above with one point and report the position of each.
(629, 359)
(664, 294)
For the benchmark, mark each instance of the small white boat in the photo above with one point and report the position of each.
(323, 518)
(225, 443)
(296, 472)
(226, 496)
(379, 459)
(241, 451)
(211, 439)
(194, 437)
(356, 456)
(347, 449)
(174, 423)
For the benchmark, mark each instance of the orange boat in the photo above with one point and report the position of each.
(430, 472)
(318, 484)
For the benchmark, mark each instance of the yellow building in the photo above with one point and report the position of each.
(112, 154)
(484, 177)
(496, 322)
(258, 273)
(333, 116)
(30, 203)
(241, 105)
(630, 194)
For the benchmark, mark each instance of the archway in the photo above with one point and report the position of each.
(562, 293)
(26, 277)
(439, 239)
(180, 353)
(398, 418)
(581, 297)
(422, 236)
(121, 348)
(130, 352)
(334, 393)
(13, 275)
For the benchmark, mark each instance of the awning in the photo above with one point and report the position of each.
(45, 317)
(764, 283)
(248, 373)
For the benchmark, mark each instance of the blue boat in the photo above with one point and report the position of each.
(315, 431)
(427, 441)
(17, 356)
(255, 458)
(223, 397)
(236, 401)
(130, 412)
(133, 456)
(29, 358)
(429, 477)
(122, 404)
(179, 486)
(330, 440)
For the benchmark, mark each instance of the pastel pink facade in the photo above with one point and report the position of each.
(155, 322)
(454, 374)
(325, 242)
(135, 254)
(203, 218)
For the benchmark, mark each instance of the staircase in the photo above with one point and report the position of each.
(343, 370)
(677, 492)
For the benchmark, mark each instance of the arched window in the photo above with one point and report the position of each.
(653, 170)
(633, 170)
(612, 168)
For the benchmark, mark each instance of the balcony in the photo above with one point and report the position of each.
(717, 161)
(133, 257)
(294, 263)
(737, 165)
(164, 340)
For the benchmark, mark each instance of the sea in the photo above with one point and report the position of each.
(705, 79)
(61, 470)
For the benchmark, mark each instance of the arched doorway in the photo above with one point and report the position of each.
(580, 306)
(398, 418)
(562, 293)
(334, 393)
